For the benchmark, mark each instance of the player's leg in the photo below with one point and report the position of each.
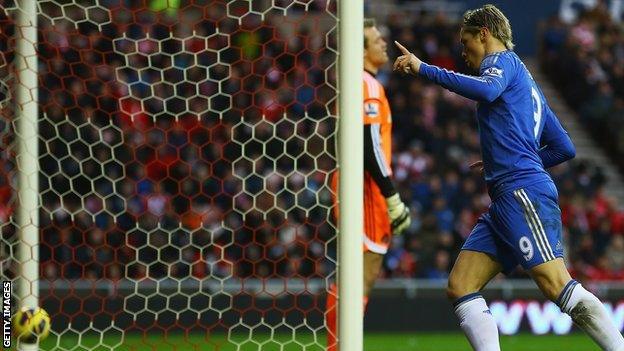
(586, 310)
(372, 266)
(331, 306)
(377, 228)
(551, 277)
(470, 273)
(537, 242)
(378, 235)
(331, 312)
(474, 268)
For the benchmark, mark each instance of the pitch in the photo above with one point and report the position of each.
(372, 342)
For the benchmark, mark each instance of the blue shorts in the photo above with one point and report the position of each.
(520, 227)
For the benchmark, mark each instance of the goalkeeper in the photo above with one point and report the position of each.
(384, 212)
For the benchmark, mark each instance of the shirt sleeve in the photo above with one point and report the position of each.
(486, 87)
(374, 160)
(372, 103)
(556, 145)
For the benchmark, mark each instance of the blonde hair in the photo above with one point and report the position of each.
(490, 17)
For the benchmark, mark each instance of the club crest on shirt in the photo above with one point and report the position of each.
(371, 109)
(493, 71)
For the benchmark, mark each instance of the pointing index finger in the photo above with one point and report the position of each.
(402, 48)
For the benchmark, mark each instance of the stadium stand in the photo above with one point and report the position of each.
(435, 140)
(591, 43)
(592, 46)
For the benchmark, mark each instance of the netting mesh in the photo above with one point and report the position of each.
(185, 149)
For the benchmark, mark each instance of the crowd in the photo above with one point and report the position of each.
(200, 145)
(591, 44)
(185, 144)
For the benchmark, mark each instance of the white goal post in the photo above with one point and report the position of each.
(351, 164)
(27, 116)
(94, 210)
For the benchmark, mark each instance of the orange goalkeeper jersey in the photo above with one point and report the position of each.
(377, 114)
(377, 231)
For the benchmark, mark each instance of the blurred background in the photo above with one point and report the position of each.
(186, 148)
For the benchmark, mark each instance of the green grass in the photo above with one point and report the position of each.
(372, 342)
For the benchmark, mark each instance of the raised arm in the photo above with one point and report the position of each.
(487, 87)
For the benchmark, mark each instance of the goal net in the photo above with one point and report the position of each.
(184, 151)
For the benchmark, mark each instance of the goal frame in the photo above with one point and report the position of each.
(350, 163)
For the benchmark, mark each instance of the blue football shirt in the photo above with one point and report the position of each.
(520, 135)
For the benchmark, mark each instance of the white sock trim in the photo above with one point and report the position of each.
(589, 314)
(478, 324)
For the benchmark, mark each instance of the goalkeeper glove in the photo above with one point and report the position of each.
(399, 214)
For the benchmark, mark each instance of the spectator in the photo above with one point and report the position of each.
(194, 165)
